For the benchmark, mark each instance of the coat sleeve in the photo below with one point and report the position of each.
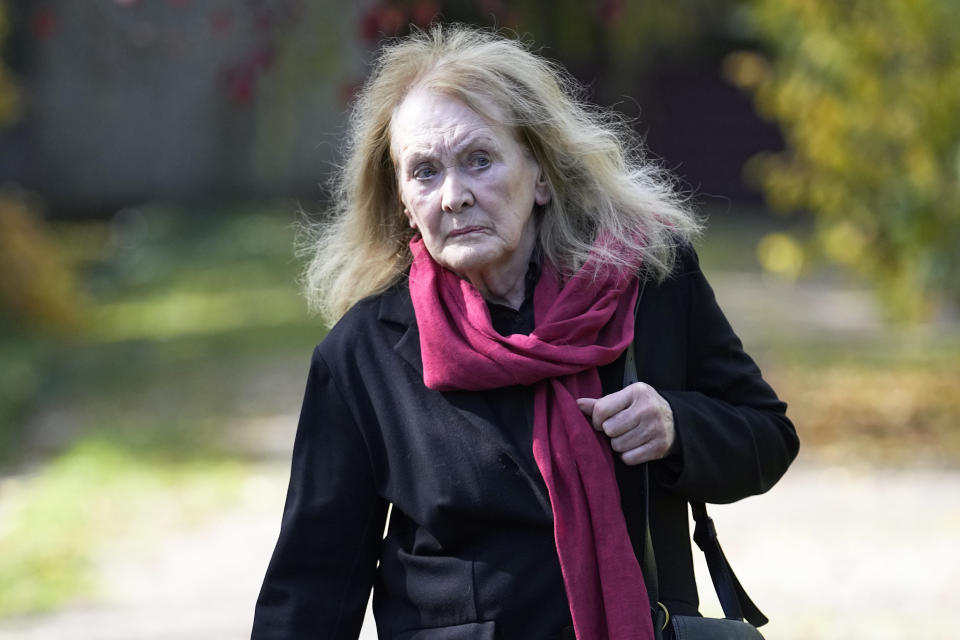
(319, 577)
(733, 436)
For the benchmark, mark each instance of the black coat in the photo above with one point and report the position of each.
(469, 551)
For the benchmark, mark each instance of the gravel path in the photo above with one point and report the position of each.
(840, 553)
(829, 553)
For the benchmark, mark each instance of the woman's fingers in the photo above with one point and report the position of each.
(632, 439)
(637, 419)
(644, 444)
(604, 412)
(646, 453)
(586, 406)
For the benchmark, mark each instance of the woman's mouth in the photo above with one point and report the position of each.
(465, 231)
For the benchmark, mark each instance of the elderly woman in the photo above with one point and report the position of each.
(495, 247)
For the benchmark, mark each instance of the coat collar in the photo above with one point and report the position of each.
(396, 307)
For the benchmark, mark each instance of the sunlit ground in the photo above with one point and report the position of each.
(160, 429)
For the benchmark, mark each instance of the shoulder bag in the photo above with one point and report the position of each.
(741, 615)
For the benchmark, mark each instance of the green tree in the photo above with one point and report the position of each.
(37, 286)
(9, 96)
(867, 93)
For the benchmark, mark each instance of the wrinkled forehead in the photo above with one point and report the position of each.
(426, 111)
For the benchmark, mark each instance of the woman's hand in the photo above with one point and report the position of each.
(638, 421)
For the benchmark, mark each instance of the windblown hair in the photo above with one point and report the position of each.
(592, 161)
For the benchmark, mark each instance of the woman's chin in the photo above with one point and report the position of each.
(468, 259)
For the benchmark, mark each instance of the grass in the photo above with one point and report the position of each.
(86, 499)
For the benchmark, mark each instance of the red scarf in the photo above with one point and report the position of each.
(580, 325)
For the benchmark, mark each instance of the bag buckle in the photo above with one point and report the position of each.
(666, 616)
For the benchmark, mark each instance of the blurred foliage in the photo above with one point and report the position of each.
(308, 49)
(860, 391)
(23, 361)
(889, 399)
(163, 288)
(610, 44)
(631, 37)
(9, 94)
(139, 422)
(40, 301)
(37, 285)
(867, 93)
(903, 414)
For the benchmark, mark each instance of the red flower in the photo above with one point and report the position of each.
(492, 6)
(369, 27)
(392, 20)
(43, 23)
(424, 12)
(348, 91)
(381, 21)
(611, 11)
(263, 58)
(240, 86)
(221, 21)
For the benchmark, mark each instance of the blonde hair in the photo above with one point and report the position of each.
(599, 180)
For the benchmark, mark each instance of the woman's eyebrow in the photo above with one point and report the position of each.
(415, 153)
(481, 139)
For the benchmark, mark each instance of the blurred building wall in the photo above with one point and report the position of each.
(132, 100)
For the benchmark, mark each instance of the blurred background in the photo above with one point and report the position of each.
(157, 155)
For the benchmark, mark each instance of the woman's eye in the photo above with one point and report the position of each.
(479, 161)
(424, 173)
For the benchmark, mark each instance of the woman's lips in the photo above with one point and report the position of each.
(464, 231)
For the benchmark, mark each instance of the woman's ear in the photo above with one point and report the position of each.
(406, 211)
(541, 194)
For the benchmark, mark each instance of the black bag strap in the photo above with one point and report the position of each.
(734, 600)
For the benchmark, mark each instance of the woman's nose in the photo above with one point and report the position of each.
(456, 193)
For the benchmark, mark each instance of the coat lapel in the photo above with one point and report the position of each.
(396, 308)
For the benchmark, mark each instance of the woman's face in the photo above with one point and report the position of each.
(466, 185)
